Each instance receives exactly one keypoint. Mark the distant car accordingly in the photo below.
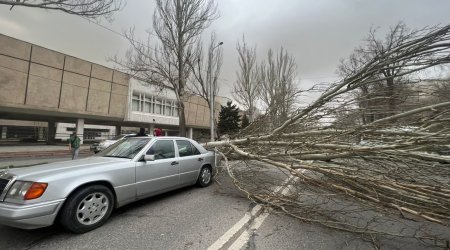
(99, 146)
(81, 194)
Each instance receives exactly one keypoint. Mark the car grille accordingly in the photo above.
(3, 183)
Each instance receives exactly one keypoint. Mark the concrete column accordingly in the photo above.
(118, 129)
(4, 131)
(80, 129)
(190, 133)
(151, 128)
(51, 132)
(166, 132)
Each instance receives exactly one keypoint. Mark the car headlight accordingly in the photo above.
(26, 190)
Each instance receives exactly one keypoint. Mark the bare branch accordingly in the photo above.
(92, 9)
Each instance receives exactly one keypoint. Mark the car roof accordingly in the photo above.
(173, 137)
(164, 137)
(128, 134)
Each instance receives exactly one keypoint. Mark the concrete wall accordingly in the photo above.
(196, 112)
(36, 78)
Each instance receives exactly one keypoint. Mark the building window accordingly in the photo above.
(135, 103)
(158, 106)
(147, 105)
(153, 105)
(175, 108)
(167, 108)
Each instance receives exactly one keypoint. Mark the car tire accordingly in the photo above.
(205, 177)
(87, 209)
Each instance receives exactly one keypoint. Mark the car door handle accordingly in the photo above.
(200, 159)
(174, 163)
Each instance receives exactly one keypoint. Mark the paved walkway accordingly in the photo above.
(38, 150)
(37, 147)
(26, 162)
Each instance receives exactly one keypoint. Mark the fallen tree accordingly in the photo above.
(354, 176)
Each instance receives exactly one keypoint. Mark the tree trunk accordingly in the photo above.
(180, 52)
(182, 124)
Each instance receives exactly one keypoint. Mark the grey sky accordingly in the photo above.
(317, 32)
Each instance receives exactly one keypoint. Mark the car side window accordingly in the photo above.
(162, 150)
(195, 150)
(185, 148)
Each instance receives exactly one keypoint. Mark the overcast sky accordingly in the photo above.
(316, 32)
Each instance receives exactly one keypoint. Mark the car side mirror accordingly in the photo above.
(149, 157)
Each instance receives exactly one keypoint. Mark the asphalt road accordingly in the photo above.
(191, 218)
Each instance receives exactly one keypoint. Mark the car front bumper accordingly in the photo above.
(29, 216)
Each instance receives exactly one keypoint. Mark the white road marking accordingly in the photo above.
(254, 215)
(235, 229)
(245, 236)
(258, 221)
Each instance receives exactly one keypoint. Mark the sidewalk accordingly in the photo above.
(38, 150)
(26, 162)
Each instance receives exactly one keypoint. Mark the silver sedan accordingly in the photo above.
(81, 194)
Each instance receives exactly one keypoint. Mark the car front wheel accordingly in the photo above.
(87, 209)
(205, 177)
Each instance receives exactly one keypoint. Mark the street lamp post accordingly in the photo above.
(211, 91)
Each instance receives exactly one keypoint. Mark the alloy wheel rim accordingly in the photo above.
(92, 208)
(206, 175)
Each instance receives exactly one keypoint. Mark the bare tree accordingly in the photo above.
(206, 69)
(278, 88)
(382, 97)
(246, 88)
(87, 8)
(178, 25)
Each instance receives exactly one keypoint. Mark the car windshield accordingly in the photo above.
(127, 148)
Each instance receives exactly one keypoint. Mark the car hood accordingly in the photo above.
(46, 170)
